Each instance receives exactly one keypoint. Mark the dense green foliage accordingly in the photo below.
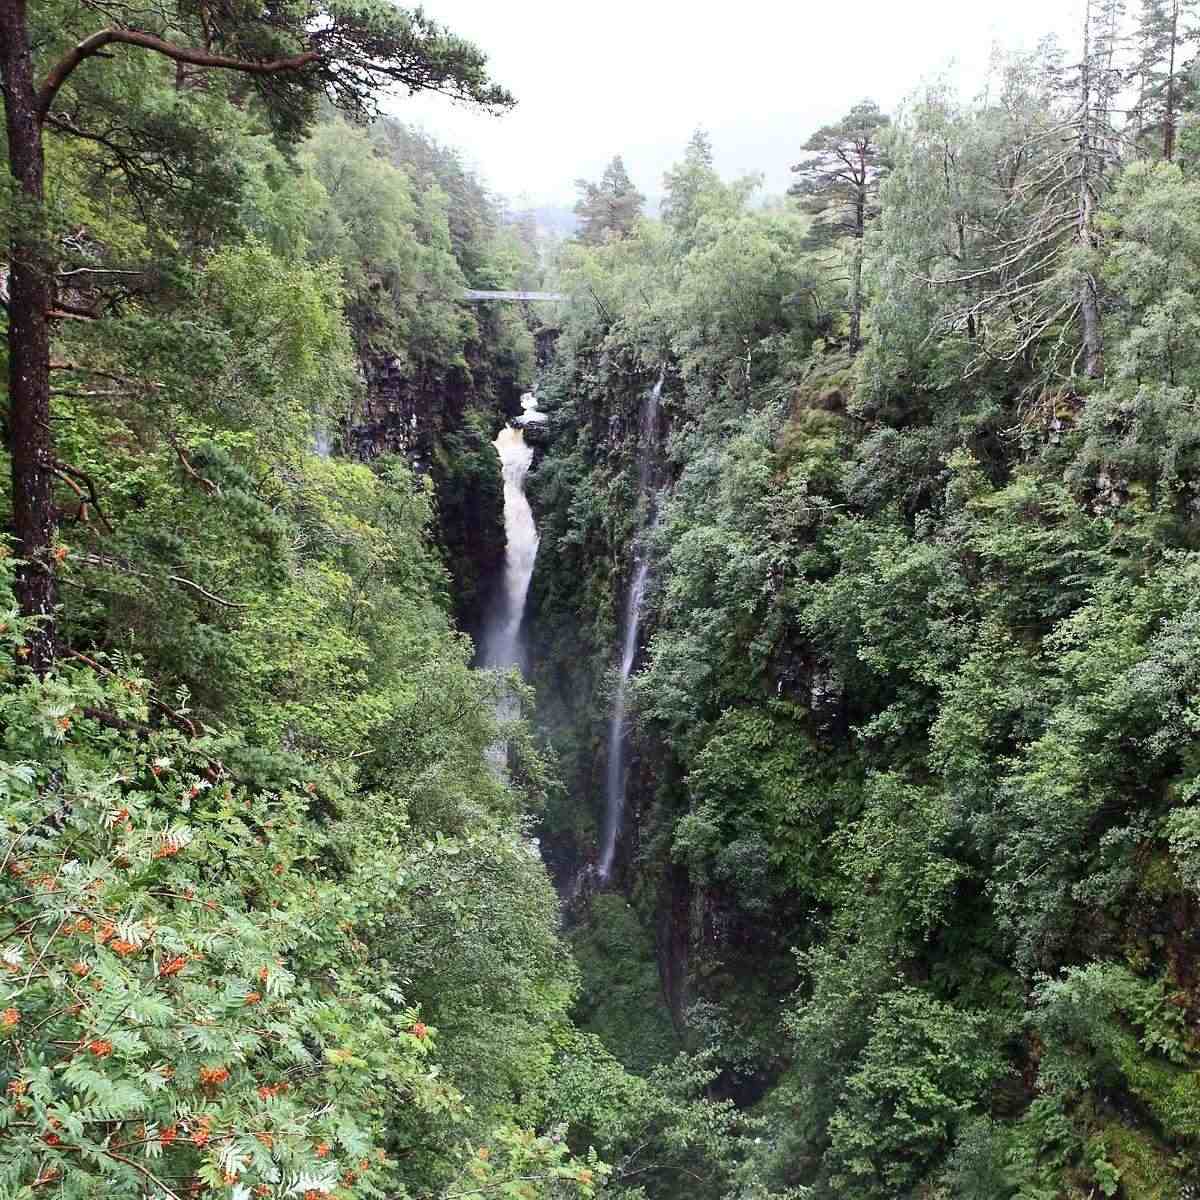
(913, 794)
(273, 926)
(906, 894)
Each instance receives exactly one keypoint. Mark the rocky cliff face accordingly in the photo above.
(442, 425)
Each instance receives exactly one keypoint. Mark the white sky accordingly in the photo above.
(594, 78)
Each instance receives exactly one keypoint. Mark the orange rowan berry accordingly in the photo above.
(200, 1137)
(419, 1030)
(18, 1087)
(169, 1134)
(322, 1149)
(100, 1048)
(213, 1076)
(80, 969)
(9, 1017)
(173, 966)
(64, 723)
(167, 849)
(266, 1139)
(84, 925)
(60, 552)
(253, 997)
(51, 1139)
(122, 947)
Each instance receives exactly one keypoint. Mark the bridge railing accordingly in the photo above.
(472, 294)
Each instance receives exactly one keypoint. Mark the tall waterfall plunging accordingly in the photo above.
(502, 645)
(502, 639)
(614, 789)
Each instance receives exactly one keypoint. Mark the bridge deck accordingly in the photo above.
(472, 294)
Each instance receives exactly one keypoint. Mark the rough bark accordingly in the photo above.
(1091, 337)
(30, 297)
(1169, 113)
(856, 268)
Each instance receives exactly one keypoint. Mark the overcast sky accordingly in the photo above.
(635, 77)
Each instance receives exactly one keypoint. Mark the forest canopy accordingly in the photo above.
(876, 502)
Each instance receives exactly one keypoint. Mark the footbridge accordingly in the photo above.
(473, 296)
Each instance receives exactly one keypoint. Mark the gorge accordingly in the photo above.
(700, 700)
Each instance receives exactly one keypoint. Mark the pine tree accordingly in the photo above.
(838, 181)
(1164, 31)
(610, 208)
(684, 183)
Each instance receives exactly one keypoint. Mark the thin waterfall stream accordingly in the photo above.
(618, 742)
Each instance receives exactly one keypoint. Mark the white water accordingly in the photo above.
(531, 414)
(502, 641)
(615, 782)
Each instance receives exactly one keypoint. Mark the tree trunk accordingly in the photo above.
(1169, 114)
(856, 270)
(31, 294)
(1089, 301)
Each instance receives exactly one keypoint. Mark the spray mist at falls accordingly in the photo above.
(615, 782)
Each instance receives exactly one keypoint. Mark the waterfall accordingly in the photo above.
(614, 790)
(502, 639)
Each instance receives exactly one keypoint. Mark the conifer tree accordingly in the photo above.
(1165, 27)
(610, 208)
(684, 183)
(838, 181)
